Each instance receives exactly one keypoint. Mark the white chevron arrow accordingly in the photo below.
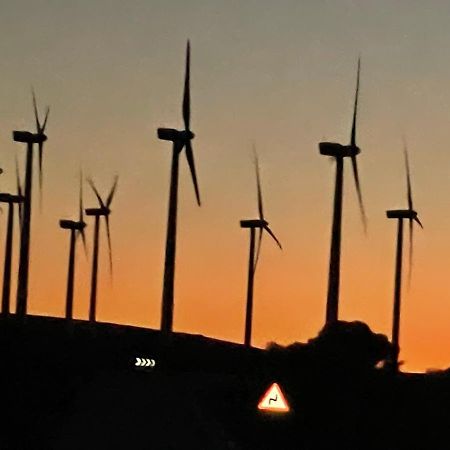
(145, 362)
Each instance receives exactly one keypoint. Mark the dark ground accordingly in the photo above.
(75, 386)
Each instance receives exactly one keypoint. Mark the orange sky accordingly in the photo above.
(280, 74)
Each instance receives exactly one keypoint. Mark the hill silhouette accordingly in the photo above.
(75, 385)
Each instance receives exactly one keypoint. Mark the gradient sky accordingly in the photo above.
(277, 73)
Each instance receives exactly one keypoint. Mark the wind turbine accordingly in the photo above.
(401, 214)
(181, 139)
(262, 225)
(76, 228)
(24, 260)
(11, 200)
(103, 211)
(339, 152)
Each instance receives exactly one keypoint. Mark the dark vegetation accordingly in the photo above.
(74, 385)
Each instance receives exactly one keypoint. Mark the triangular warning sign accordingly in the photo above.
(273, 400)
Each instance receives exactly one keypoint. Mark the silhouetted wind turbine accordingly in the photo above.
(76, 228)
(400, 215)
(28, 138)
(339, 152)
(253, 225)
(104, 210)
(11, 200)
(181, 140)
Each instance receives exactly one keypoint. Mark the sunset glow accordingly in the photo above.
(277, 74)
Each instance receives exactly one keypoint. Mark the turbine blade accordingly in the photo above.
(18, 185)
(36, 114)
(81, 209)
(358, 191)
(108, 232)
(411, 245)
(19, 192)
(83, 238)
(266, 227)
(411, 236)
(258, 186)
(258, 249)
(187, 89)
(408, 177)
(112, 191)
(355, 107)
(44, 125)
(91, 183)
(191, 163)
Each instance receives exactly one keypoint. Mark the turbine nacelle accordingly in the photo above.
(28, 137)
(10, 198)
(254, 223)
(72, 225)
(334, 149)
(402, 214)
(97, 211)
(173, 135)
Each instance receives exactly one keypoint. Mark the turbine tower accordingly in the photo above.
(103, 211)
(11, 200)
(339, 152)
(24, 259)
(180, 140)
(76, 228)
(401, 214)
(262, 225)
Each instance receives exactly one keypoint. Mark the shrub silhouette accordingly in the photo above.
(348, 344)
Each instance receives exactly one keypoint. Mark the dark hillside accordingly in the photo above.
(72, 386)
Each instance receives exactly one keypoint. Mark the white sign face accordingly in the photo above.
(273, 400)
(145, 362)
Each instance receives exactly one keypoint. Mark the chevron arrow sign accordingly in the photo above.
(145, 362)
